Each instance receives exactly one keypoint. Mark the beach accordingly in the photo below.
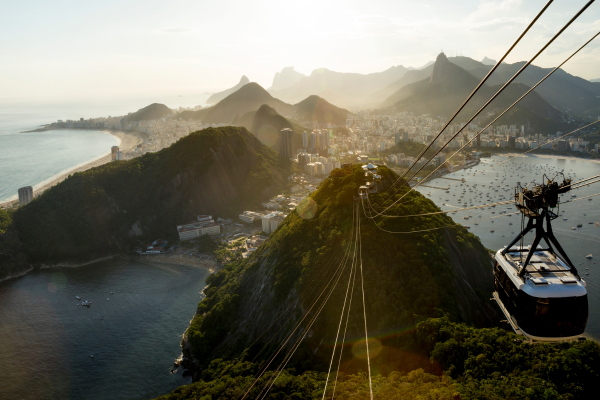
(553, 156)
(127, 142)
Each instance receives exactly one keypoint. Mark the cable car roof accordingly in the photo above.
(546, 276)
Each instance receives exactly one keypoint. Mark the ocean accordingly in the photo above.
(47, 341)
(35, 158)
(492, 184)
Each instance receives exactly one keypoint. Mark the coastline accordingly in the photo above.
(595, 161)
(127, 141)
(210, 265)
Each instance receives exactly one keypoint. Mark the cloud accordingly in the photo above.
(177, 29)
(498, 23)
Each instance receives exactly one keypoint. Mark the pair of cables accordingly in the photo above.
(356, 264)
(490, 100)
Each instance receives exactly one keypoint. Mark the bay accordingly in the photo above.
(47, 340)
(490, 182)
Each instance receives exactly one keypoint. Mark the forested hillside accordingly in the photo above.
(108, 208)
(420, 290)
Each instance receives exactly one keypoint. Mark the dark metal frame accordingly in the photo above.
(534, 205)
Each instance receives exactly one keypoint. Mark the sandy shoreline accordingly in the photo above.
(128, 141)
(548, 156)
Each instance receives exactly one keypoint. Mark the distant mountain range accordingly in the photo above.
(217, 97)
(286, 78)
(449, 85)
(237, 109)
(153, 111)
(565, 92)
(595, 80)
(339, 87)
(248, 98)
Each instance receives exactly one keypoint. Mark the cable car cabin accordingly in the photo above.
(547, 301)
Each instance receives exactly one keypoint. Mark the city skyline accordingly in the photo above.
(112, 49)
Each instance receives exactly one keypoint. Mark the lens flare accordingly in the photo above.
(307, 208)
(267, 134)
(359, 349)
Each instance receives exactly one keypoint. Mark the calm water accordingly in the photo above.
(46, 340)
(30, 159)
(577, 243)
(34, 158)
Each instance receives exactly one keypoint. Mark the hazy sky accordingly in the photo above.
(105, 48)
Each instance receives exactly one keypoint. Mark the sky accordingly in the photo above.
(77, 49)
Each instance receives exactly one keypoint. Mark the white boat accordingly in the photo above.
(112, 292)
(107, 299)
(78, 298)
(589, 256)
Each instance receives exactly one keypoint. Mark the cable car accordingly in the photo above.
(541, 293)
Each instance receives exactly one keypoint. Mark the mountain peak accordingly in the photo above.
(244, 80)
(488, 61)
(439, 68)
(286, 78)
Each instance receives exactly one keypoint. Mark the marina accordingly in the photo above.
(488, 183)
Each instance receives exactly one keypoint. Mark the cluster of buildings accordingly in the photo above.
(159, 133)
(270, 220)
(159, 246)
(371, 134)
(205, 225)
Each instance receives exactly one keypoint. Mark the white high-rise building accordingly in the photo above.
(305, 140)
(25, 195)
(313, 140)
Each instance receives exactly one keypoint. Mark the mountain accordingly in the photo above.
(217, 97)
(449, 85)
(408, 277)
(315, 109)
(266, 124)
(153, 111)
(488, 61)
(339, 87)
(286, 78)
(248, 98)
(106, 210)
(386, 95)
(413, 288)
(565, 92)
(595, 80)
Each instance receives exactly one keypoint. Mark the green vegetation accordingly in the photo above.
(307, 247)
(5, 220)
(457, 362)
(415, 305)
(100, 211)
(231, 380)
(495, 364)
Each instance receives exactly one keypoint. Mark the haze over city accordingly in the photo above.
(300, 200)
(70, 49)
